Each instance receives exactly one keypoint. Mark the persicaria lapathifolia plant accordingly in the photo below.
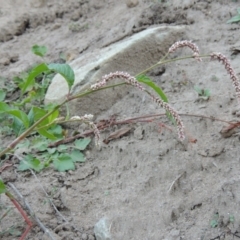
(133, 81)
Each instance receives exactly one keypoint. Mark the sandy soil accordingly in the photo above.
(148, 184)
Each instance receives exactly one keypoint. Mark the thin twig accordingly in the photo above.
(149, 118)
(40, 224)
(174, 181)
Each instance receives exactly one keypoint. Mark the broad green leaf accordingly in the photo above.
(17, 126)
(22, 116)
(77, 156)
(62, 148)
(4, 107)
(63, 163)
(46, 134)
(40, 144)
(30, 81)
(39, 50)
(39, 113)
(56, 130)
(52, 150)
(53, 116)
(65, 70)
(2, 94)
(3, 188)
(81, 144)
(146, 80)
(29, 162)
(24, 144)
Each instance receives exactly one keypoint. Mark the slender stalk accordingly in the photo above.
(168, 61)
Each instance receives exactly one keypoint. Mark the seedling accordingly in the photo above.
(214, 221)
(202, 93)
(235, 18)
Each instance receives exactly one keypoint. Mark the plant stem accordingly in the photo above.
(168, 61)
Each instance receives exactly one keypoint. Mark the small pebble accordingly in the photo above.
(132, 3)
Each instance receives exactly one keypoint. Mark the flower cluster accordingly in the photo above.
(221, 58)
(175, 115)
(126, 76)
(186, 43)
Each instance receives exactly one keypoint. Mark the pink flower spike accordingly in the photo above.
(221, 58)
(186, 43)
(175, 115)
(126, 76)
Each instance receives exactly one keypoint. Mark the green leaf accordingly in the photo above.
(65, 70)
(56, 130)
(47, 134)
(40, 144)
(4, 107)
(30, 81)
(29, 162)
(3, 188)
(31, 117)
(2, 94)
(77, 156)
(214, 223)
(53, 116)
(62, 148)
(39, 113)
(81, 144)
(146, 80)
(234, 19)
(198, 90)
(51, 150)
(231, 219)
(63, 163)
(24, 144)
(206, 93)
(22, 116)
(17, 126)
(39, 50)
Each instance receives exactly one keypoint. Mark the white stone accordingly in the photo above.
(131, 55)
(101, 229)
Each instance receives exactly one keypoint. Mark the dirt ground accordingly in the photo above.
(148, 184)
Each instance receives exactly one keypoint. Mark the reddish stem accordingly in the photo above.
(22, 212)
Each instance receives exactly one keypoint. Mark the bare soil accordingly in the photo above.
(147, 183)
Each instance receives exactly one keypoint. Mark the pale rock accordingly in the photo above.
(131, 55)
(101, 229)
